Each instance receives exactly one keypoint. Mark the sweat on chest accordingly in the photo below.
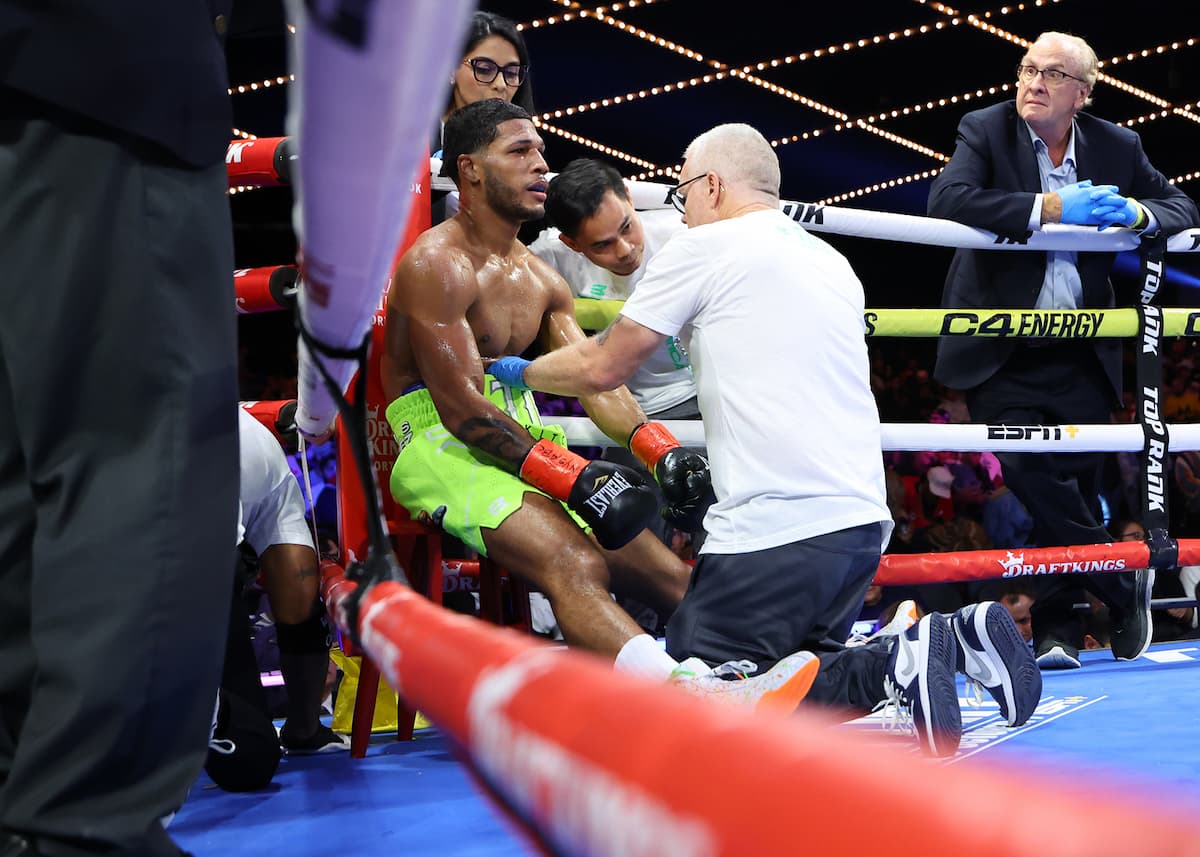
(501, 329)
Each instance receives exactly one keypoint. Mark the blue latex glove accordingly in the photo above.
(1079, 200)
(509, 371)
(1117, 210)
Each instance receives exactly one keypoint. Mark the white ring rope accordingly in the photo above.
(957, 437)
(913, 229)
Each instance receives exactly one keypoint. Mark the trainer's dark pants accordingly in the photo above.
(767, 604)
(118, 480)
(1060, 384)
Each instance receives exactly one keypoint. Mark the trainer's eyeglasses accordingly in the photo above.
(1052, 76)
(677, 199)
(485, 71)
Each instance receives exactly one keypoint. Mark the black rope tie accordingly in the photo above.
(380, 562)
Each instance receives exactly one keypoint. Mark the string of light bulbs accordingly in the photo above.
(581, 12)
(867, 124)
(746, 73)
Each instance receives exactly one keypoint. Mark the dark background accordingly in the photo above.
(587, 59)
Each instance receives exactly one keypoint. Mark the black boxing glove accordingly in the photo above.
(682, 474)
(615, 501)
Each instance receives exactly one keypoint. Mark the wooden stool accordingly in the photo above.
(419, 551)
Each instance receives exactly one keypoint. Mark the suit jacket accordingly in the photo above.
(151, 69)
(990, 183)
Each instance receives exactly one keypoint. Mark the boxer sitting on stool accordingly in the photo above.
(474, 454)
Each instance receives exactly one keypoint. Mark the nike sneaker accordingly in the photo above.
(920, 685)
(993, 655)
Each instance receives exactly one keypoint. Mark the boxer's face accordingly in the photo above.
(612, 237)
(515, 171)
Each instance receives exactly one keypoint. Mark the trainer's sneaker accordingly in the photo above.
(1057, 655)
(921, 687)
(906, 615)
(993, 655)
(324, 740)
(778, 689)
(1131, 626)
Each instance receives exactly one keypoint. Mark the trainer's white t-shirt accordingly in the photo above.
(773, 320)
(272, 510)
(665, 379)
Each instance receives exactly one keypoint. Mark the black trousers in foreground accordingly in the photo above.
(1061, 384)
(765, 605)
(118, 480)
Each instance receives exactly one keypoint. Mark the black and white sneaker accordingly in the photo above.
(1131, 625)
(324, 740)
(1057, 655)
(992, 654)
(921, 687)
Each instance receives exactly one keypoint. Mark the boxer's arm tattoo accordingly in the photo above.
(501, 441)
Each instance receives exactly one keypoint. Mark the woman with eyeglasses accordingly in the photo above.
(495, 64)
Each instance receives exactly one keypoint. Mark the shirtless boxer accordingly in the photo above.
(474, 455)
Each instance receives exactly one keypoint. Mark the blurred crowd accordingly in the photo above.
(952, 501)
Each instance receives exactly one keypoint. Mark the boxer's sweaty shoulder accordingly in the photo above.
(443, 281)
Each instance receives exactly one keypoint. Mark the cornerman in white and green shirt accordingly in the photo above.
(601, 246)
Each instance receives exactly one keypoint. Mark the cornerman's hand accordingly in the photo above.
(509, 371)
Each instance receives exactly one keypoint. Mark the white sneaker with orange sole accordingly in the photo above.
(781, 688)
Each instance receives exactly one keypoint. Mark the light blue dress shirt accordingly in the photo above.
(1061, 287)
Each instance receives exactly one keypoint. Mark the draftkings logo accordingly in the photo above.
(1014, 565)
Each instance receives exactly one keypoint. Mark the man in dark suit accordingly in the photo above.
(1017, 166)
(118, 421)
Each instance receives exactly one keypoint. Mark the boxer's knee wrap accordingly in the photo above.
(310, 636)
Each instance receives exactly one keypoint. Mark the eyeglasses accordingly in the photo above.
(1053, 76)
(678, 199)
(485, 71)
